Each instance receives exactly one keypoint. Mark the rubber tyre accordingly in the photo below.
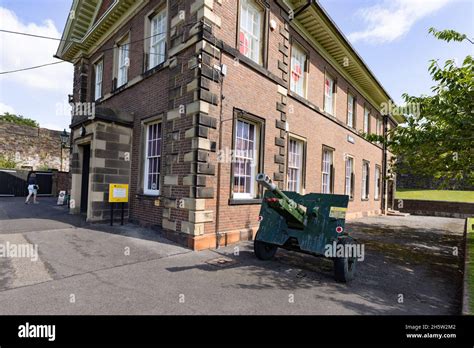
(264, 251)
(344, 268)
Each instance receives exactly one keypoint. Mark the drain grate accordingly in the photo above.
(222, 262)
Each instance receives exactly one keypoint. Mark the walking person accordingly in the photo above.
(32, 189)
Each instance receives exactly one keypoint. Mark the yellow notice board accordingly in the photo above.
(118, 193)
(338, 212)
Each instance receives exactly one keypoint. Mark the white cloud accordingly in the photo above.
(6, 108)
(19, 52)
(393, 19)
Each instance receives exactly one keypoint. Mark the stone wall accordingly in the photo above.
(109, 164)
(32, 147)
(435, 208)
(61, 182)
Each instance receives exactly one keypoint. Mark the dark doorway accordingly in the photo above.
(45, 183)
(86, 159)
(390, 194)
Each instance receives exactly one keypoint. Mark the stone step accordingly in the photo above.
(396, 213)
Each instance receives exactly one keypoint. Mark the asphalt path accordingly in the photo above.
(410, 266)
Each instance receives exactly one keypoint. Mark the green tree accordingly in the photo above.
(439, 141)
(6, 162)
(18, 119)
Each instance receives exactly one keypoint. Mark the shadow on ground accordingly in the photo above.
(410, 266)
(16, 217)
(406, 270)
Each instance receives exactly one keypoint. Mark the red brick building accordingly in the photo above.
(189, 100)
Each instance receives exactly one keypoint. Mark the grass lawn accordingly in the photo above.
(437, 195)
(470, 264)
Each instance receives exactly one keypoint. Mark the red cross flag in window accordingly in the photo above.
(296, 73)
(243, 44)
(328, 87)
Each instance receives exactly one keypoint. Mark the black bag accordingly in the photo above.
(36, 187)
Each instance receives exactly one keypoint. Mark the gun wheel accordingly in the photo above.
(344, 267)
(264, 251)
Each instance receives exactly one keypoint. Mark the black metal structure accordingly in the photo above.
(45, 182)
(85, 177)
(14, 182)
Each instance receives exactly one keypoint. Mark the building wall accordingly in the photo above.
(258, 95)
(316, 128)
(33, 147)
(195, 205)
(150, 95)
(144, 99)
(108, 165)
(276, 60)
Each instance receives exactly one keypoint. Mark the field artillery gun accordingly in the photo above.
(312, 224)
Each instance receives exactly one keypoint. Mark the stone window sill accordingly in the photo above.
(147, 196)
(246, 201)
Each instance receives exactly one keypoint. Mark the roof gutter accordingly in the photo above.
(68, 44)
(66, 29)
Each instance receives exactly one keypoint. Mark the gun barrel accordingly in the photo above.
(289, 206)
(264, 180)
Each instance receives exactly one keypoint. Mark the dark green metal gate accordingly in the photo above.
(14, 182)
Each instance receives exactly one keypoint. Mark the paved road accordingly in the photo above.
(95, 269)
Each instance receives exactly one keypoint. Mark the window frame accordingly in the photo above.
(351, 124)
(123, 42)
(366, 121)
(146, 191)
(365, 193)
(377, 182)
(302, 170)
(305, 73)
(163, 38)
(351, 177)
(259, 124)
(97, 63)
(330, 173)
(262, 54)
(327, 75)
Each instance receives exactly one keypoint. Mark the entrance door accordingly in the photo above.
(390, 194)
(86, 159)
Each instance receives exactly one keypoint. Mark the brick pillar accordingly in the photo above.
(81, 74)
(281, 106)
(187, 166)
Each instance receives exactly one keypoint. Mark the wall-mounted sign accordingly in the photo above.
(351, 139)
(118, 193)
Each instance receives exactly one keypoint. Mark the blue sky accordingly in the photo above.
(401, 63)
(390, 35)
